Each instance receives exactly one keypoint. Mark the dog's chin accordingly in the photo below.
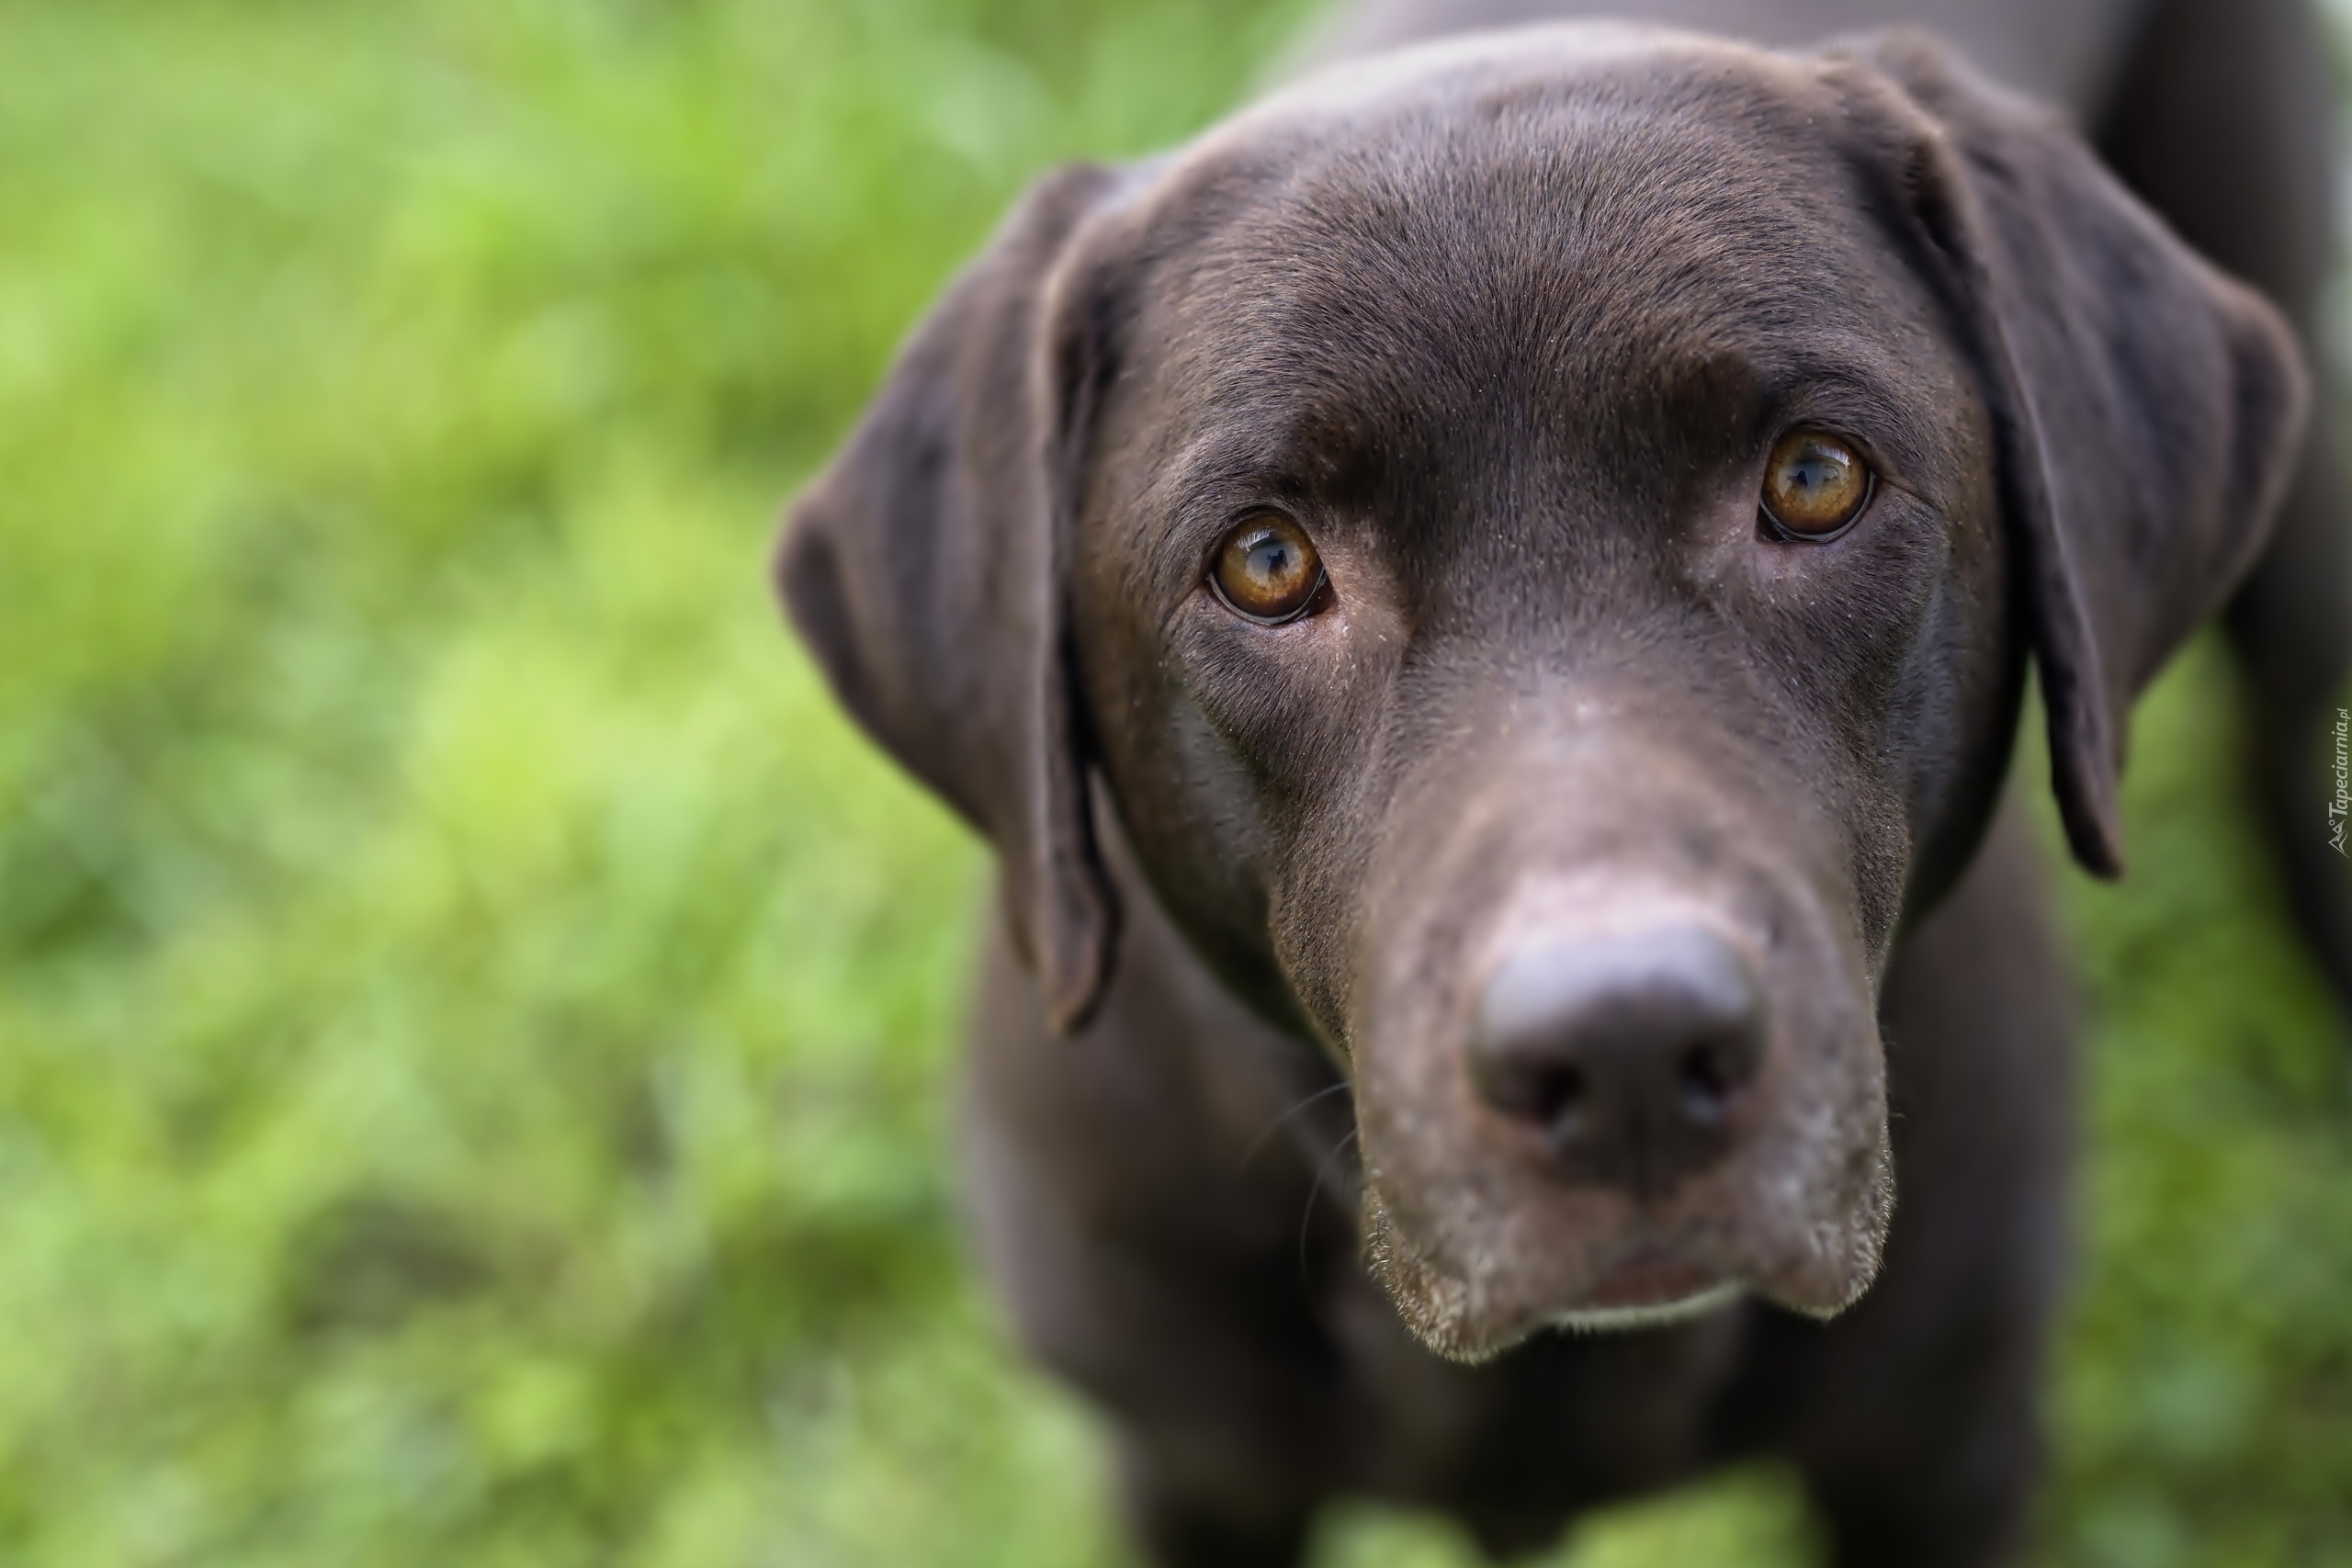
(1476, 1314)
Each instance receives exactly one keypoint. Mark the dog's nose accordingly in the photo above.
(1628, 1050)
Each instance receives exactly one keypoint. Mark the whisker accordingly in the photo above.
(1326, 1092)
(1306, 1215)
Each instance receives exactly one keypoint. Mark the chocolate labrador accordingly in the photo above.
(1483, 605)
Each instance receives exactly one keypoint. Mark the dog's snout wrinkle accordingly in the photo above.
(1626, 1051)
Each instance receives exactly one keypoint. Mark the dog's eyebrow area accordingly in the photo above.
(1369, 339)
(1344, 446)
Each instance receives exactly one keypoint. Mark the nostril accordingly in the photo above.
(1559, 1097)
(1531, 1087)
(1704, 1083)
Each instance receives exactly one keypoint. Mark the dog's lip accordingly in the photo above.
(1647, 1274)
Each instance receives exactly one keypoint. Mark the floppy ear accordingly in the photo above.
(925, 568)
(2146, 407)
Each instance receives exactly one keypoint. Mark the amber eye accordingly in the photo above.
(1814, 485)
(1266, 569)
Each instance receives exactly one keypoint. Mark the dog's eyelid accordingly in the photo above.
(1885, 490)
(1830, 424)
(1889, 469)
(1857, 407)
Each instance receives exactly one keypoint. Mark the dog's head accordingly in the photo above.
(1540, 539)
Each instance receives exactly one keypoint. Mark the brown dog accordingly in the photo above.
(1514, 564)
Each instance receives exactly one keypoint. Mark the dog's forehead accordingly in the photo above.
(1556, 205)
(1490, 66)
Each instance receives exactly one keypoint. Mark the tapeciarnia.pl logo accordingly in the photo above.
(2341, 807)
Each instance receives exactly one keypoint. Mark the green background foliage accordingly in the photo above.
(477, 1028)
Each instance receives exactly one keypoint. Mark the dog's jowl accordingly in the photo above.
(1483, 605)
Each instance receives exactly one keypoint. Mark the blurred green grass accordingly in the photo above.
(476, 1026)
